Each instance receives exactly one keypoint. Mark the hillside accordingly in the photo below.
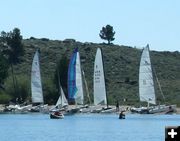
(121, 67)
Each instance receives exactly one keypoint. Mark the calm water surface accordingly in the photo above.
(86, 127)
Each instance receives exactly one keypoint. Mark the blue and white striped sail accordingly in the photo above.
(75, 86)
(99, 82)
(36, 86)
(72, 77)
(146, 82)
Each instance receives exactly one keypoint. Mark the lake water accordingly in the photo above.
(85, 127)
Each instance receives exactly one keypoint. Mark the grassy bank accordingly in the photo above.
(121, 64)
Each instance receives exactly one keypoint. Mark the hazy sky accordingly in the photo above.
(136, 22)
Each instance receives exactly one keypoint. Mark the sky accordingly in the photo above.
(136, 22)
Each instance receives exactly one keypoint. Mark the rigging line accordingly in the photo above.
(159, 84)
(87, 90)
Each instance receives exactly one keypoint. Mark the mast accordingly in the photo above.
(159, 85)
(59, 84)
(87, 90)
(62, 101)
(104, 78)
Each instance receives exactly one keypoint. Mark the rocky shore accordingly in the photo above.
(86, 109)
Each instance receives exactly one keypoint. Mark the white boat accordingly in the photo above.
(61, 104)
(60, 107)
(147, 89)
(16, 108)
(100, 95)
(75, 85)
(36, 86)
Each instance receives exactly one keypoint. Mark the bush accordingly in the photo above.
(44, 39)
(22, 88)
(4, 98)
(32, 38)
(50, 92)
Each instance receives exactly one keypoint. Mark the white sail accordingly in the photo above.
(99, 82)
(146, 83)
(79, 97)
(62, 101)
(36, 86)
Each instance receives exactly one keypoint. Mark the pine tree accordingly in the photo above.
(107, 33)
(13, 49)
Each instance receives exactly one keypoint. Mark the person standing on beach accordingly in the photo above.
(117, 106)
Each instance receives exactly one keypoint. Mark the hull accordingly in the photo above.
(39, 108)
(108, 110)
(56, 116)
(160, 109)
(73, 111)
(163, 109)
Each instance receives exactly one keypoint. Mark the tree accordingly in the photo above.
(14, 46)
(62, 71)
(13, 49)
(3, 62)
(107, 33)
(4, 69)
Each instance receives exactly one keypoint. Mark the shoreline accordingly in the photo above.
(121, 108)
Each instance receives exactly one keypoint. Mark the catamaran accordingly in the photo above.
(75, 85)
(100, 94)
(36, 85)
(147, 89)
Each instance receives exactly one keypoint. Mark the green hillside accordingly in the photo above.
(121, 65)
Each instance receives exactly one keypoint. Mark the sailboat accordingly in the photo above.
(100, 94)
(75, 85)
(61, 104)
(36, 85)
(62, 101)
(147, 88)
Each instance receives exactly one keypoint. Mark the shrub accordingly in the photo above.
(21, 91)
(4, 98)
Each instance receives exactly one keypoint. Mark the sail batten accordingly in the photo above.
(36, 86)
(99, 82)
(146, 82)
